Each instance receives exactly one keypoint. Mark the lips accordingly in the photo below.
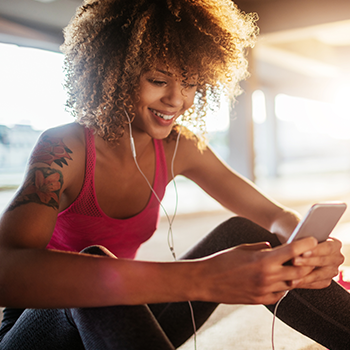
(162, 115)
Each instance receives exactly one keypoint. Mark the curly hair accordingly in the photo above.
(110, 43)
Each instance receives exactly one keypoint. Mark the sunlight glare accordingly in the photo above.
(259, 107)
(31, 88)
(311, 116)
(219, 120)
(341, 98)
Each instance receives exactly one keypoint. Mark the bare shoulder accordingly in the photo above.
(73, 130)
(56, 145)
(55, 166)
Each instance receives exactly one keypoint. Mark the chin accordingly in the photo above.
(161, 135)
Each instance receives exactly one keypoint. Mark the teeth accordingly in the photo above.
(164, 116)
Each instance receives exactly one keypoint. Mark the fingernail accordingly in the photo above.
(295, 283)
(297, 261)
(307, 254)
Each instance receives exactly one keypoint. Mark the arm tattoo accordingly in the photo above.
(42, 186)
(51, 150)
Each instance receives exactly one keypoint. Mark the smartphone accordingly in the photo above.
(319, 221)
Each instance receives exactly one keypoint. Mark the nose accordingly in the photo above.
(174, 96)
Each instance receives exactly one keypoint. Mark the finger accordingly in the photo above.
(328, 247)
(292, 250)
(277, 291)
(296, 277)
(287, 278)
(327, 253)
(320, 261)
(281, 287)
(318, 277)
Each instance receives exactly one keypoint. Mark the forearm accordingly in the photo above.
(284, 222)
(36, 278)
(241, 196)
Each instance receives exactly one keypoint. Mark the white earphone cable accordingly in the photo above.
(170, 233)
(170, 237)
(274, 320)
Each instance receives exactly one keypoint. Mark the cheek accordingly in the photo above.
(189, 100)
(147, 97)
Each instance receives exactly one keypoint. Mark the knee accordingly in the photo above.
(238, 223)
(239, 220)
(243, 230)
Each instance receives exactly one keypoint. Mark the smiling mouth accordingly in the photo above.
(163, 116)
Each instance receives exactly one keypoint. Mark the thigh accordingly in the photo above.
(41, 329)
(230, 233)
(121, 327)
(10, 316)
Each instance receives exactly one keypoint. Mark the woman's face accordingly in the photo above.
(162, 98)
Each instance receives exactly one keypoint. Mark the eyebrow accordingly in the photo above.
(165, 72)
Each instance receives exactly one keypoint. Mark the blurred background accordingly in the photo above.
(290, 126)
(289, 132)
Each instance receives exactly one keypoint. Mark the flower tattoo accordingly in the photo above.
(42, 186)
(51, 150)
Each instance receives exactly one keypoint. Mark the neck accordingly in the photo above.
(123, 150)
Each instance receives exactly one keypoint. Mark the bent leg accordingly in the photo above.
(319, 314)
(117, 327)
(322, 315)
(103, 328)
(42, 329)
(175, 318)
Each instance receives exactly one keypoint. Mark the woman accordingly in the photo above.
(136, 70)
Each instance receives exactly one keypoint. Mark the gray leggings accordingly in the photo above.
(323, 315)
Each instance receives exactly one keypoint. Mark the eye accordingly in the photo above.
(157, 82)
(189, 86)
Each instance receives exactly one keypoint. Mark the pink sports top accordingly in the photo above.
(84, 223)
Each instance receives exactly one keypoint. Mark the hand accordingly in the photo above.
(326, 259)
(252, 274)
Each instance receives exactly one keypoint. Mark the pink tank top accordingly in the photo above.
(84, 223)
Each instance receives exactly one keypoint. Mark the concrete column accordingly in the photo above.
(271, 157)
(241, 138)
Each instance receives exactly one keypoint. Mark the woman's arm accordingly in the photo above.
(233, 191)
(31, 276)
(244, 199)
